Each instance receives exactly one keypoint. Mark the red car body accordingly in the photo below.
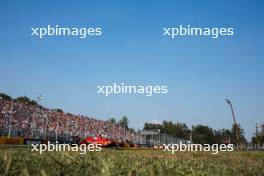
(104, 142)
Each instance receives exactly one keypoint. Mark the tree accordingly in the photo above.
(58, 110)
(153, 126)
(222, 136)
(203, 135)
(168, 127)
(26, 100)
(23, 99)
(124, 122)
(179, 130)
(112, 120)
(258, 139)
(5, 96)
(237, 128)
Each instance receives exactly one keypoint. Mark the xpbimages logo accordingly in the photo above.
(122, 88)
(181, 30)
(182, 147)
(83, 32)
(83, 148)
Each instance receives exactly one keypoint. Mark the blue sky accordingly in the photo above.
(200, 72)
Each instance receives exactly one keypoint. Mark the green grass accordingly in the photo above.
(130, 162)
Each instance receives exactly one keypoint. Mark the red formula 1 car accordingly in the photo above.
(108, 143)
(105, 142)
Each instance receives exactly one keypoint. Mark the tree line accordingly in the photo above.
(201, 134)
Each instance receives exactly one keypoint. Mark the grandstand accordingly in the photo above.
(36, 122)
(25, 118)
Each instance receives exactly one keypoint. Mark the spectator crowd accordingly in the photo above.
(37, 122)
